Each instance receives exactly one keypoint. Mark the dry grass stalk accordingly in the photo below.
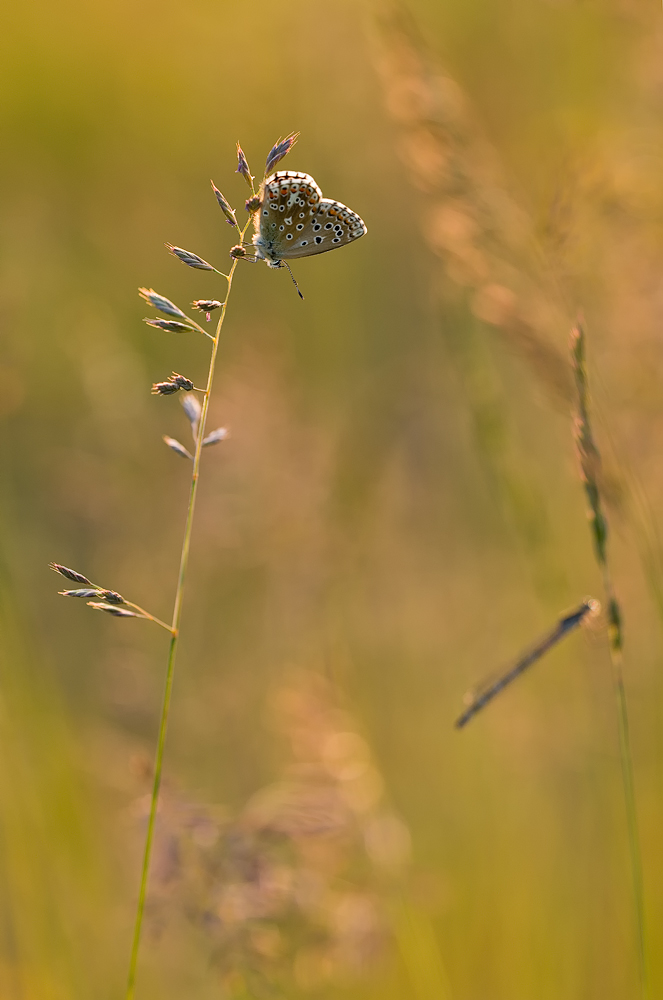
(590, 468)
(469, 219)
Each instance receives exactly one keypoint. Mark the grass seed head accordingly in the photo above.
(111, 609)
(171, 325)
(112, 597)
(85, 592)
(178, 448)
(70, 574)
(207, 306)
(160, 302)
(164, 388)
(174, 384)
(243, 167)
(220, 434)
(191, 259)
(192, 408)
(280, 149)
(224, 206)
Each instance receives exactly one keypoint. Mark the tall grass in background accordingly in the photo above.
(590, 470)
(490, 249)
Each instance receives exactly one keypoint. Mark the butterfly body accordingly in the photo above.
(294, 220)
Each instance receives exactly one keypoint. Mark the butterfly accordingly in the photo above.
(294, 220)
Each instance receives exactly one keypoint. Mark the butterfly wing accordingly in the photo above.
(294, 220)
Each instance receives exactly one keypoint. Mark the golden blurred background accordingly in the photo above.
(397, 511)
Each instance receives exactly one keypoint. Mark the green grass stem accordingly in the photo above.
(172, 649)
(590, 469)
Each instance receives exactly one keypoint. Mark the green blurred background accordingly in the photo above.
(398, 508)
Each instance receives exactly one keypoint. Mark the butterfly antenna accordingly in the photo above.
(293, 280)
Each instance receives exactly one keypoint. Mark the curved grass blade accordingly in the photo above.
(539, 649)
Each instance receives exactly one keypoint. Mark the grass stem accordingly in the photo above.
(590, 470)
(146, 614)
(631, 819)
(172, 649)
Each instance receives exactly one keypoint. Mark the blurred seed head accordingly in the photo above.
(224, 206)
(237, 252)
(164, 388)
(280, 149)
(206, 305)
(174, 384)
(589, 459)
(243, 167)
(170, 325)
(470, 220)
(252, 204)
(70, 574)
(178, 448)
(160, 302)
(111, 609)
(191, 259)
(192, 408)
(220, 434)
(295, 889)
(85, 592)
(112, 597)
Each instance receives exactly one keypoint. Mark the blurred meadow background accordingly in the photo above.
(397, 511)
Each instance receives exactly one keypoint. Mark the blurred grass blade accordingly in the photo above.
(420, 952)
(543, 646)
